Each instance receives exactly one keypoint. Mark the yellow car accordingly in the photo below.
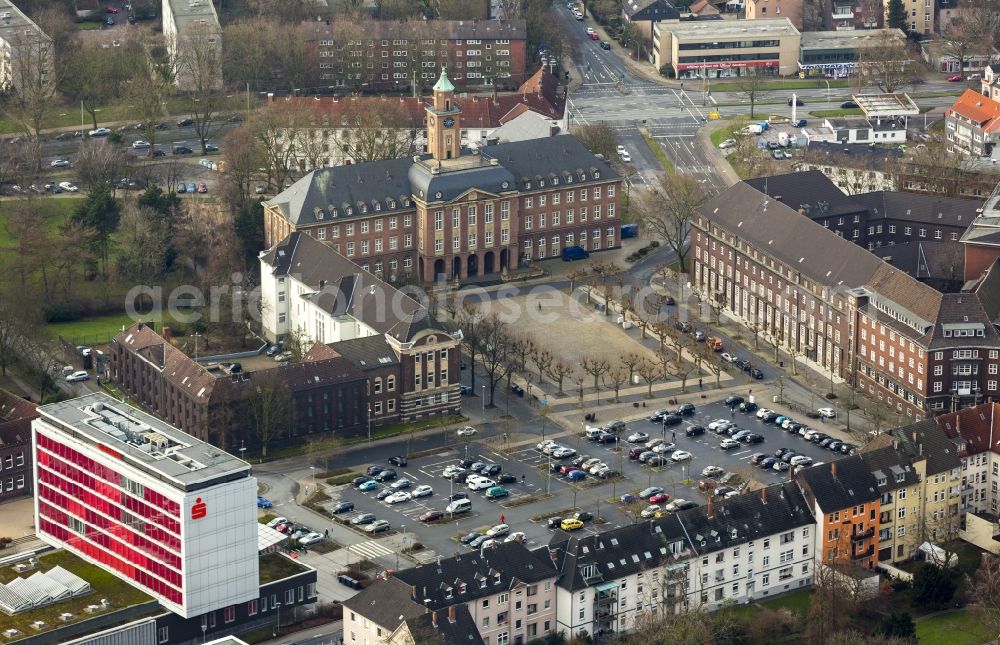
(571, 525)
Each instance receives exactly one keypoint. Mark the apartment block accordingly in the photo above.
(16, 473)
(194, 42)
(26, 54)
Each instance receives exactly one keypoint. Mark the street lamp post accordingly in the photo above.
(483, 390)
(548, 474)
(402, 546)
(369, 423)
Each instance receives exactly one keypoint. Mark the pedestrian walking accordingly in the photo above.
(522, 479)
(326, 533)
(699, 385)
(673, 435)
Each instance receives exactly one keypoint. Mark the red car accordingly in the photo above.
(111, 10)
(430, 516)
(567, 469)
(957, 78)
(594, 36)
(202, 188)
(659, 498)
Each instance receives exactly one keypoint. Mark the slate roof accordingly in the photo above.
(778, 229)
(341, 287)
(809, 190)
(852, 155)
(462, 631)
(730, 522)
(386, 603)
(655, 10)
(368, 352)
(923, 260)
(922, 440)
(16, 415)
(840, 484)
(920, 207)
(439, 584)
(333, 194)
(619, 552)
(987, 289)
(887, 465)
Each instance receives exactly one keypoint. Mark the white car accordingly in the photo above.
(542, 445)
(828, 413)
(600, 469)
(726, 444)
(562, 453)
(517, 536)
(729, 358)
(620, 148)
(489, 544)
(68, 187)
(594, 468)
(99, 132)
(590, 30)
(451, 470)
(551, 448)
(728, 143)
(711, 471)
(664, 447)
(590, 463)
(60, 163)
(762, 412)
(311, 538)
(422, 491)
(467, 431)
(498, 530)
(400, 496)
(800, 460)
(681, 455)
(276, 521)
(481, 484)
(719, 422)
(140, 145)
(80, 375)
(651, 510)
(638, 437)
(672, 506)
(625, 156)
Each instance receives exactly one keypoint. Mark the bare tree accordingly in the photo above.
(599, 139)
(964, 37)
(18, 319)
(371, 132)
(885, 62)
(667, 211)
(595, 367)
(98, 163)
(616, 377)
(542, 359)
(277, 128)
(495, 344)
(986, 595)
(649, 371)
(631, 361)
(146, 94)
(199, 64)
(32, 79)
(270, 407)
(558, 371)
(471, 322)
(753, 87)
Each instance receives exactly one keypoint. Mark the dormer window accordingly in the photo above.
(541, 182)
(597, 174)
(555, 181)
(350, 210)
(392, 203)
(527, 185)
(378, 206)
(569, 179)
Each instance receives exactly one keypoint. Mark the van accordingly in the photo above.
(714, 344)
(459, 506)
(571, 253)
(752, 129)
(592, 433)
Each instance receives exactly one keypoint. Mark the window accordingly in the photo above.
(163, 635)
(252, 607)
(229, 614)
(502, 638)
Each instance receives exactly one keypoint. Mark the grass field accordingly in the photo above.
(797, 84)
(953, 628)
(63, 116)
(797, 602)
(90, 330)
(54, 210)
(837, 112)
(658, 151)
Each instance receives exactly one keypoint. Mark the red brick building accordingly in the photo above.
(829, 301)
(16, 415)
(453, 213)
(384, 55)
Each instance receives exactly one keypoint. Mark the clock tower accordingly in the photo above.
(444, 130)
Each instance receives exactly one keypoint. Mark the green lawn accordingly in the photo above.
(54, 210)
(658, 151)
(796, 84)
(275, 566)
(953, 628)
(837, 112)
(797, 602)
(90, 330)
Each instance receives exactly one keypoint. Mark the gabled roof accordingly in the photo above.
(637, 10)
(973, 430)
(367, 352)
(920, 207)
(16, 415)
(891, 468)
(747, 517)
(923, 440)
(340, 287)
(981, 110)
(593, 559)
(469, 576)
(386, 603)
(926, 260)
(840, 484)
(810, 191)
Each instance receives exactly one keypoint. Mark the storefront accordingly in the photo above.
(725, 48)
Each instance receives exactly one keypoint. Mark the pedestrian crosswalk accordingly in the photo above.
(370, 549)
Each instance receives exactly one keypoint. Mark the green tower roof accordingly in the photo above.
(443, 84)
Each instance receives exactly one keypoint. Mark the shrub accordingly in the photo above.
(62, 312)
(667, 70)
(933, 586)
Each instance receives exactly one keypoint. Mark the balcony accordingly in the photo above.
(857, 537)
(867, 553)
(843, 13)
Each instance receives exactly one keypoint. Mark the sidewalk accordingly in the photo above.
(719, 161)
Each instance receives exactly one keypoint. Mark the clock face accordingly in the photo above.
(448, 122)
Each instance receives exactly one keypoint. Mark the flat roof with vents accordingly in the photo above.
(729, 29)
(886, 105)
(142, 441)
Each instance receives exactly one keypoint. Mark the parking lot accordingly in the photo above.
(527, 507)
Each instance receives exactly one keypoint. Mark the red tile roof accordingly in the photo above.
(978, 108)
(979, 427)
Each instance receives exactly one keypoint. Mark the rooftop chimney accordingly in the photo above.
(451, 614)
(711, 507)
(763, 495)
(914, 435)
(434, 619)
(413, 592)
(833, 468)
(166, 333)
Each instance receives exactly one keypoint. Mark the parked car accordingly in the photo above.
(747, 407)
(386, 475)
(712, 471)
(363, 520)
(183, 123)
(99, 132)
(659, 498)
(263, 502)
(377, 526)
(431, 516)
(728, 143)
(182, 150)
(496, 492)
(733, 400)
(685, 409)
(311, 538)
(374, 470)
(181, 187)
(398, 497)
(727, 444)
(681, 455)
(638, 437)
(342, 507)
(827, 413)
(694, 431)
(570, 524)
(398, 461)
(956, 78)
(68, 187)
(60, 163)
(357, 481)
(651, 510)
(79, 375)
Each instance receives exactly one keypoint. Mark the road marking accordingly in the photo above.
(370, 549)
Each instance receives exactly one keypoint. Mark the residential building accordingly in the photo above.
(337, 126)
(725, 49)
(919, 15)
(900, 486)
(645, 13)
(853, 15)
(16, 473)
(731, 551)
(194, 43)
(26, 52)
(948, 15)
(148, 503)
(839, 52)
(990, 83)
(452, 627)
(507, 591)
(836, 306)
(972, 124)
(452, 213)
(766, 9)
(937, 462)
(328, 392)
(982, 239)
(387, 55)
(844, 497)
(409, 361)
(973, 431)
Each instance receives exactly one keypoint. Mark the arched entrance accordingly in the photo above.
(488, 263)
(504, 259)
(456, 268)
(439, 270)
(472, 266)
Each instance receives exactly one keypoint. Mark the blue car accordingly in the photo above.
(576, 475)
(628, 499)
(779, 420)
(263, 502)
(182, 187)
(191, 187)
(368, 485)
